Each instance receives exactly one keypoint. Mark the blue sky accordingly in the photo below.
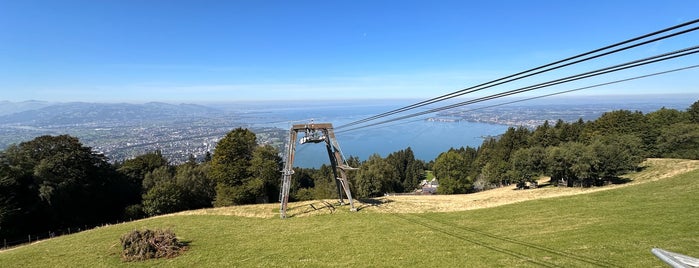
(198, 51)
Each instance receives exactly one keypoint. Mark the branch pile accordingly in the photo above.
(149, 244)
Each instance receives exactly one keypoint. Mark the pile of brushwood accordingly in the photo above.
(149, 244)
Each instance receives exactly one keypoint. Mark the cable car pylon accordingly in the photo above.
(316, 133)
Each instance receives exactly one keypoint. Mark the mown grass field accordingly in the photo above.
(612, 228)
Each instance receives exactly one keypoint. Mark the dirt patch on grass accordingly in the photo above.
(652, 170)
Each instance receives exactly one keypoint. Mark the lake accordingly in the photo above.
(427, 139)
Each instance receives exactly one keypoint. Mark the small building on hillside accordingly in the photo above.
(429, 187)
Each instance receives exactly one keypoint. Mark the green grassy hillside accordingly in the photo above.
(614, 228)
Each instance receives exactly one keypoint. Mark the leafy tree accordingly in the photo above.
(265, 165)
(568, 132)
(449, 185)
(527, 164)
(666, 117)
(680, 141)
(166, 197)
(622, 122)
(493, 157)
(55, 181)
(495, 173)
(159, 175)
(545, 135)
(615, 155)
(199, 189)
(375, 177)
(450, 169)
(470, 156)
(137, 168)
(302, 184)
(512, 140)
(662, 119)
(693, 112)
(230, 166)
(324, 182)
(558, 166)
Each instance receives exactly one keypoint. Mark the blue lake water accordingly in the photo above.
(426, 139)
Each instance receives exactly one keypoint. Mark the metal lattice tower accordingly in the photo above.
(316, 133)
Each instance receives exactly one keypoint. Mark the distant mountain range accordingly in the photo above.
(7, 107)
(45, 113)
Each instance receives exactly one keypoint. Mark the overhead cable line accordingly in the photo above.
(583, 88)
(538, 70)
(553, 94)
(606, 70)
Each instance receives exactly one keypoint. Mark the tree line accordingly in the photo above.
(55, 182)
(570, 153)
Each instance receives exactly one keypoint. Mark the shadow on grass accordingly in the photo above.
(531, 186)
(372, 202)
(314, 207)
(618, 180)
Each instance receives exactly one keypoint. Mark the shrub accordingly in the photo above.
(148, 244)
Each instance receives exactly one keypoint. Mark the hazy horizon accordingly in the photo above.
(601, 98)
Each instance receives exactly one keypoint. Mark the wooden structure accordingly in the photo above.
(316, 133)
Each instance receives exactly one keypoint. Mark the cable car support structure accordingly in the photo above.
(316, 133)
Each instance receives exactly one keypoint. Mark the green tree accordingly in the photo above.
(581, 162)
(451, 170)
(324, 181)
(693, 112)
(265, 166)
(680, 141)
(558, 166)
(495, 173)
(662, 119)
(545, 135)
(199, 189)
(166, 197)
(512, 140)
(54, 182)
(622, 122)
(137, 168)
(527, 164)
(303, 184)
(375, 177)
(159, 175)
(615, 155)
(230, 167)
(409, 170)
(568, 132)
(414, 174)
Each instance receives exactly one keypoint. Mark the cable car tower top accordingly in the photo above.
(316, 133)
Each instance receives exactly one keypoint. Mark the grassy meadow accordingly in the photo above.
(608, 228)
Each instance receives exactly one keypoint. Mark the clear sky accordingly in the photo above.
(196, 51)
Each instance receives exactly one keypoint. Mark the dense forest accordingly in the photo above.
(52, 183)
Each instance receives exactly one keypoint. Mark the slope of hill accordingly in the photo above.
(608, 228)
(8, 107)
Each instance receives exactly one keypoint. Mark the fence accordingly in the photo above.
(29, 238)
